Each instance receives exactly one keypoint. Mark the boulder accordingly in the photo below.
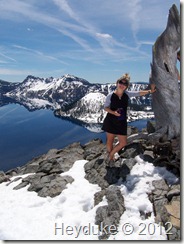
(166, 204)
(110, 214)
(45, 185)
(55, 186)
(93, 149)
(3, 177)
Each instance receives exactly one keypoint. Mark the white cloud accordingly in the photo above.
(101, 35)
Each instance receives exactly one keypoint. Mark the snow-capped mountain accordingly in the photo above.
(88, 109)
(53, 93)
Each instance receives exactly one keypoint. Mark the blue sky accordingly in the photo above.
(97, 40)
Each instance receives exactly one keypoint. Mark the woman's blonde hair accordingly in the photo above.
(125, 77)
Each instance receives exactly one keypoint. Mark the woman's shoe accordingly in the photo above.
(116, 157)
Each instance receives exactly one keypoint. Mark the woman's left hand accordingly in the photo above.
(152, 91)
(153, 88)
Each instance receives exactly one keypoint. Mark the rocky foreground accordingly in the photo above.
(47, 181)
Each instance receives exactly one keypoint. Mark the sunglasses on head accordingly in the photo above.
(123, 83)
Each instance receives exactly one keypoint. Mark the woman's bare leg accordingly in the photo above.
(122, 143)
(110, 141)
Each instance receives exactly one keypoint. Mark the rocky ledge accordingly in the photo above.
(47, 181)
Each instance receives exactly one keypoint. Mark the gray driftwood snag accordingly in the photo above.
(164, 74)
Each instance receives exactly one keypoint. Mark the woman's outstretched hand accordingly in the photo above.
(153, 88)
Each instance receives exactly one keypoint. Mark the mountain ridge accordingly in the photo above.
(69, 96)
(62, 91)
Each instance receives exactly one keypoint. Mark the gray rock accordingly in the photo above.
(29, 180)
(161, 185)
(174, 235)
(150, 127)
(13, 172)
(171, 219)
(3, 177)
(93, 149)
(21, 185)
(98, 197)
(163, 149)
(132, 150)
(110, 215)
(46, 166)
(45, 185)
(129, 163)
(132, 130)
(158, 198)
(171, 166)
(16, 179)
(95, 172)
(148, 156)
(174, 191)
(31, 168)
(36, 186)
(55, 187)
(98, 171)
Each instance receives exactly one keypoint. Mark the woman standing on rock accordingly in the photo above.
(115, 122)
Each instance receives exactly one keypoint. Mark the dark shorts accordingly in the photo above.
(114, 126)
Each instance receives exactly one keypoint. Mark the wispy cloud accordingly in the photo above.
(38, 53)
(64, 6)
(135, 8)
(89, 31)
(108, 43)
(82, 25)
(30, 11)
(76, 30)
(146, 43)
(7, 58)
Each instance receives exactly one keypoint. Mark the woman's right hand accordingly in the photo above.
(108, 110)
(116, 113)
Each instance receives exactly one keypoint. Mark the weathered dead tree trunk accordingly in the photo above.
(164, 74)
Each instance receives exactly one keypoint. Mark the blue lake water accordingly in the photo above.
(25, 135)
